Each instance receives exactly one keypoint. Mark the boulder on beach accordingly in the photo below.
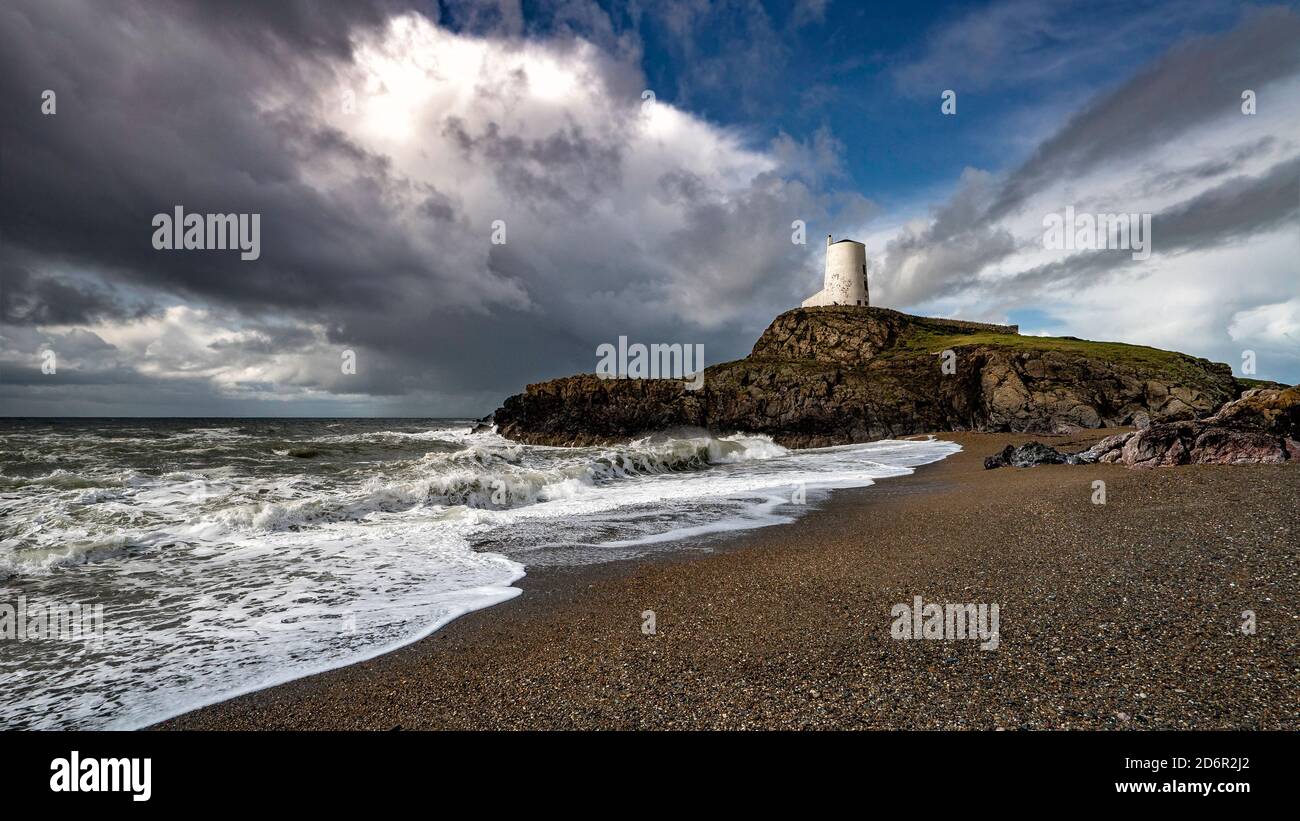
(1030, 455)
(1261, 427)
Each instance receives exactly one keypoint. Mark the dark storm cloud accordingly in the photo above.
(297, 25)
(31, 299)
(951, 249)
(1231, 161)
(757, 230)
(266, 338)
(109, 392)
(1237, 208)
(563, 170)
(169, 114)
(13, 376)
(223, 109)
(230, 112)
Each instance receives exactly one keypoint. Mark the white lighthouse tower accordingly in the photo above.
(846, 275)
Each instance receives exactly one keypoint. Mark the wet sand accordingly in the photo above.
(1126, 615)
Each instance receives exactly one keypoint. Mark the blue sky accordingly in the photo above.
(383, 141)
(872, 73)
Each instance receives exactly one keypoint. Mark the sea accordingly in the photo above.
(228, 555)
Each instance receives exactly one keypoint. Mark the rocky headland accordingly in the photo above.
(836, 375)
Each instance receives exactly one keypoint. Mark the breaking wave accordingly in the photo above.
(235, 555)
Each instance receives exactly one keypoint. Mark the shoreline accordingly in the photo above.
(1115, 616)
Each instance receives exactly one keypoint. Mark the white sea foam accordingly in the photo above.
(219, 579)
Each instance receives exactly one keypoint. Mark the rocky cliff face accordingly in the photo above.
(834, 375)
(1262, 427)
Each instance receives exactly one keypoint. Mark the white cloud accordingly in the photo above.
(1215, 282)
(598, 188)
(1278, 323)
(621, 216)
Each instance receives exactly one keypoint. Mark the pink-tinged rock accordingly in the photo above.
(1108, 449)
(1258, 428)
(1224, 446)
(1176, 455)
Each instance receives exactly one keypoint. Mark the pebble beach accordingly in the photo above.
(1115, 616)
